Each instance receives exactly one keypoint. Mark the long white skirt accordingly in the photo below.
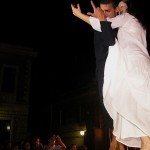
(126, 93)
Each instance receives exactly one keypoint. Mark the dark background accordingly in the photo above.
(64, 45)
(65, 56)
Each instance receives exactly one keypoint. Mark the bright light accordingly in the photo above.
(82, 133)
(8, 127)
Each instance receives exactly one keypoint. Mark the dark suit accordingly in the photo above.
(102, 40)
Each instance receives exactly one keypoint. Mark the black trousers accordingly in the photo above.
(107, 120)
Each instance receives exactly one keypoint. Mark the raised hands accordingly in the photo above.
(97, 12)
(76, 10)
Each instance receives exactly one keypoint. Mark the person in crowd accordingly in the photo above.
(37, 144)
(55, 143)
(27, 145)
(72, 147)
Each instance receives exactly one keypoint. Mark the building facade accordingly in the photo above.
(15, 71)
(77, 111)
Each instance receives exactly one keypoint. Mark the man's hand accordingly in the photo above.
(98, 12)
(76, 11)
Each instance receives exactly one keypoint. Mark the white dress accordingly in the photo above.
(126, 88)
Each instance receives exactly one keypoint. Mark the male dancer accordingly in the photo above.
(102, 41)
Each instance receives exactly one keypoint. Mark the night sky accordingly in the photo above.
(64, 44)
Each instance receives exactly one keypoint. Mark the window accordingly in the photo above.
(9, 79)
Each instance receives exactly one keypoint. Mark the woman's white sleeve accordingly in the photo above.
(119, 20)
(95, 23)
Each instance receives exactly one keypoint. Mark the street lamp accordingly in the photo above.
(82, 133)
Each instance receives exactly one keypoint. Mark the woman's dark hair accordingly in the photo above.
(125, 1)
(135, 9)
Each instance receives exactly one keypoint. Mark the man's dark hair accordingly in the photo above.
(114, 2)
